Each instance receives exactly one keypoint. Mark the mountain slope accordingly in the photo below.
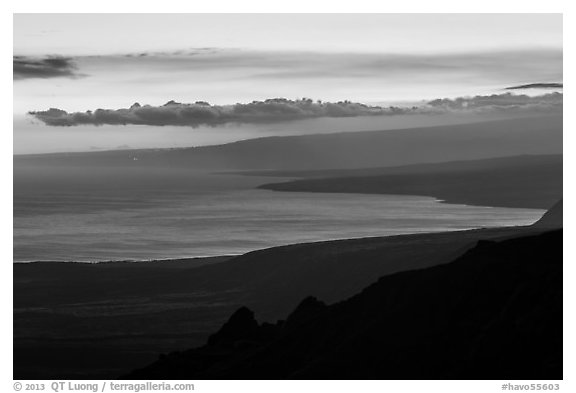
(91, 321)
(522, 181)
(535, 135)
(553, 218)
(493, 313)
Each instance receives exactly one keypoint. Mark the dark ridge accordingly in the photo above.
(531, 181)
(553, 218)
(241, 325)
(309, 308)
(164, 306)
(493, 313)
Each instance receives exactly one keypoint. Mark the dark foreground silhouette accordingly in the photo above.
(99, 321)
(493, 313)
(553, 218)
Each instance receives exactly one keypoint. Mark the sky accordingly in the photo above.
(84, 62)
(104, 34)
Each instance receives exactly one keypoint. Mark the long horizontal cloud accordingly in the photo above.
(280, 110)
(543, 64)
(47, 67)
(537, 86)
(501, 102)
(202, 113)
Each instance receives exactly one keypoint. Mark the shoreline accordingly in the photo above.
(278, 187)
(133, 261)
(225, 257)
(529, 182)
(161, 307)
(526, 181)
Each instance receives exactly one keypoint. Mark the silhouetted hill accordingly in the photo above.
(522, 181)
(553, 218)
(493, 313)
(90, 321)
(534, 135)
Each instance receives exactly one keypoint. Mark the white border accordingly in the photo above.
(260, 6)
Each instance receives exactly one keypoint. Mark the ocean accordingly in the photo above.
(111, 214)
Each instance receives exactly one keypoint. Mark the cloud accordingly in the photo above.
(501, 102)
(537, 86)
(281, 110)
(48, 67)
(500, 67)
(228, 63)
(494, 66)
(201, 113)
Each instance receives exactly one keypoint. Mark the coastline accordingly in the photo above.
(202, 260)
(528, 181)
(126, 314)
(293, 186)
(207, 259)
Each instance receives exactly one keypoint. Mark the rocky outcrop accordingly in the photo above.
(493, 313)
(553, 218)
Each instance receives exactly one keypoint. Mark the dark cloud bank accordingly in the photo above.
(47, 67)
(537, 86)
(202, 113)
(280, 109)
(501, 102)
